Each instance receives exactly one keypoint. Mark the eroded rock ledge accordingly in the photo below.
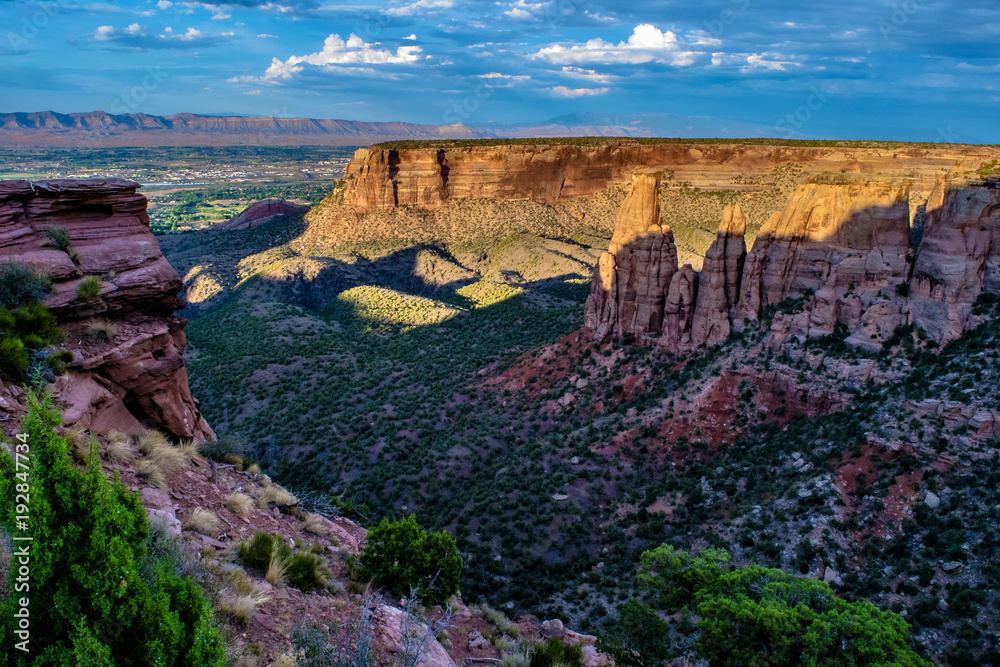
(138, 379)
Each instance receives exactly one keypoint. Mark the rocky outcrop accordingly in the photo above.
(720, 279)
(258, 213)
(958, 257)
(836, 255)
(136, 379)
(632, 278)
(639, 290)
(833, 242)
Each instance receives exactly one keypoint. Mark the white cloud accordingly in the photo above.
(191, 35)
(411, 36)
(588, 74)
(264, 35)
(164, 4)
(134, 29)
(751, 62)
(336, 51)
(498, 80)
(104, 33)
(256, 91)
(526, 10)
(420, 6)
(563, 91)
(646, 44)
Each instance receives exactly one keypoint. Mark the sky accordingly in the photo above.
(924, 70)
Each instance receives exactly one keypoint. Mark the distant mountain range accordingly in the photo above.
(99, 129)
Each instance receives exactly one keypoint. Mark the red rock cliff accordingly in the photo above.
(138, 379)
(843, 250)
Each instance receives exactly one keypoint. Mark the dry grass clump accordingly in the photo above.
(253, 469)
(102, 330)
(79, 445)
(275, 495)
(276, 570)
(117, 436)
(168, 459)
(242, 606)
(240, 503)
(150, 472)
(150, 440)
(233, 460)
(284, 660)
(120, 451)
(202, 521)
(314, 524)
(189, 450)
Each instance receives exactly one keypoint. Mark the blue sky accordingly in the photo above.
(907, 69)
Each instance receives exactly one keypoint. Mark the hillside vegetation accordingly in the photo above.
(454, 385)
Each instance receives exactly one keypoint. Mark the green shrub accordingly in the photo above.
(89, 288)
(98, 595)
(20, 284)
(402, 557)
(257, 553)
(13, 357)
(26, 331)
(553, 653)
(760, 616)
(58, 237)
(305, 572)
(640, 638)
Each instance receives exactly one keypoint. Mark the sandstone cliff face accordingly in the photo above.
(842, 250)
(139, 378)
(640, 290)
(720, 279)
(833, 241)
(632, 278)
(958, 257)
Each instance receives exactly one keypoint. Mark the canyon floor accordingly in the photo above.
(451, 379)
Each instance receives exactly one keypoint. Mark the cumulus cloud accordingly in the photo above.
(107, 33)
(527, 11)
(336, 51)
(564, 91)
(646, 44)
(420, 7)
(137, 37)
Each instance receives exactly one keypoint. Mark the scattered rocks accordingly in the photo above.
(932, 500)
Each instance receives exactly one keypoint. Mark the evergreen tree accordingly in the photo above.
(89, 602)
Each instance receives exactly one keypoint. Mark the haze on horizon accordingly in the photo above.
(922, 70)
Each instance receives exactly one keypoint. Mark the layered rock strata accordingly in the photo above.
(138, 378)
